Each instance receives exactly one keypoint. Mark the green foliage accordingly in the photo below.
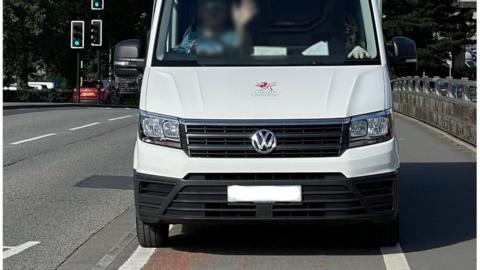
(437, 27)
(48, 95)
(23, 25)
(37, 35)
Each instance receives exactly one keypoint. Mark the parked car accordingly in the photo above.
(93, 92)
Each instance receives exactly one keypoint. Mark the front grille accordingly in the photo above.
(153, 195)
(323, 201)
(207, 202)
(295, 139)
(319, 201)
(379, 195)
(325, 196)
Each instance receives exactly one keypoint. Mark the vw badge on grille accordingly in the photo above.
(264, 141)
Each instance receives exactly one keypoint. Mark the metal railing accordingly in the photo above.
(460, 89)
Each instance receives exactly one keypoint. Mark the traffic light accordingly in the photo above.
(96, 32)
(77, 34)
(98, 4)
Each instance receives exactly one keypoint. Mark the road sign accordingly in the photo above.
(98, 4)
(96, 30)
(77, 34)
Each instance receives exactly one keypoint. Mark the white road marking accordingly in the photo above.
(33, 139)
(72, 129)
(394, 258)
(85, 126)
(17, 249)
(139, 258)
(118, 118)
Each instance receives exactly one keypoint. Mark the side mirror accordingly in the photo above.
(127, 59)
(404, 58)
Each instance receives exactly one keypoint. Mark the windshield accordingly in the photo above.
(266, 32)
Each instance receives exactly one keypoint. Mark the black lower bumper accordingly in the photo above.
(202, 198)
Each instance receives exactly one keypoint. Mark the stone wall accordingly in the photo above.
(455, 116)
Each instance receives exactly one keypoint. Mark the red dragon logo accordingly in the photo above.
(267, 86)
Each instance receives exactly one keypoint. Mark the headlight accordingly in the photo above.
(371, 128)
(159, 129)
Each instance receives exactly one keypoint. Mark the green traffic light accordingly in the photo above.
(77, 43)
(97, 4)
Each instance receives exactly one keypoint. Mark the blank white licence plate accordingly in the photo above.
(264, 194)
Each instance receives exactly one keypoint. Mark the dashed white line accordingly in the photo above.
(71, 129)
(139, 258)
(118, 118)
(17, 249)
(34, 138)
(394, 258)
(85, 126)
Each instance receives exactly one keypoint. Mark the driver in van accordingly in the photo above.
(213, 30)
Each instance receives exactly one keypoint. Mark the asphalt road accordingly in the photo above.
(68, 205)
(61, 190)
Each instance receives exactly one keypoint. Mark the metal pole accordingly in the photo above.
(78, 75)
(99, 56)
(99, 70)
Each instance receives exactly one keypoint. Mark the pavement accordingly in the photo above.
(68, 204)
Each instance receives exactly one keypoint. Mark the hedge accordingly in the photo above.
(46, 95)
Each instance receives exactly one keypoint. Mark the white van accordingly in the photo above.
(269, 111)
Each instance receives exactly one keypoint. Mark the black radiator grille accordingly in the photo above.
(318, 201)
(324, 196)
(378, 194)
(152, 195)
(312, 139)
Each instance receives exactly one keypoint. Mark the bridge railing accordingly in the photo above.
(445, 103)
(446, 87)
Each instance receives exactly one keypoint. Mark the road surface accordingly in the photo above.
(68, 204)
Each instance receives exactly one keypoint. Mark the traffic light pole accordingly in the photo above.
(78, 75)
(99, 68)
(98, 76)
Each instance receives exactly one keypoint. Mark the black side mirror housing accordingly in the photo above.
(127, 60)
(404, 57)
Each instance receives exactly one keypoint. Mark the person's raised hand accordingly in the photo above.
(243, 12)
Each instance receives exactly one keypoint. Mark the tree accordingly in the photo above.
(23, 25)
(37, 32)
(437, 27)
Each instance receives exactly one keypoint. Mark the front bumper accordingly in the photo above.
(327, 197)
(373, 159)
